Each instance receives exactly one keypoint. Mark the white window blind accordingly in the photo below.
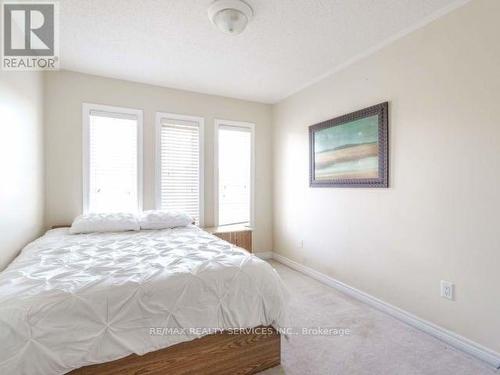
(179, 170)
(234, 171)
(113, 162)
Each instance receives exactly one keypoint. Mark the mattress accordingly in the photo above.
(69, 301)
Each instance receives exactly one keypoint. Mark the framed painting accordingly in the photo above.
(351, 150)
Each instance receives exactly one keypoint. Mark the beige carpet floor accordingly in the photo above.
(377, 345)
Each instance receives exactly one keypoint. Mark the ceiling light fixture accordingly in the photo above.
(230, 16)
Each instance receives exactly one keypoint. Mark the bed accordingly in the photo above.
(143, 300)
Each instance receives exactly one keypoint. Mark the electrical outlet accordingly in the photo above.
(447, 289)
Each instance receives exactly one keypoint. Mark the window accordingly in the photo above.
(179, 164)
(112, 159)
(234, 170)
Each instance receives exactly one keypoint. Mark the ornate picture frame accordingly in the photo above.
(351, 150)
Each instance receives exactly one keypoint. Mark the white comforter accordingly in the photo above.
(72, 300)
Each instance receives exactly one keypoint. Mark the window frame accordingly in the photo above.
(234, 124)
(116, 112)
(201, 178)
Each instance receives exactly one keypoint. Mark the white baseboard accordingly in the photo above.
(264, 255)
(451, 338)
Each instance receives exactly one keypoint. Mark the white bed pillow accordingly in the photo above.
(105, 222)
(156, 219)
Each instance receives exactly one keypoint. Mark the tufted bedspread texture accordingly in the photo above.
(69, 301)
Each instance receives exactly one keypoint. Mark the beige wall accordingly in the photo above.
(66, 91)
(439, 220)
(21, 161)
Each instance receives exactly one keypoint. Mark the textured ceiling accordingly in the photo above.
(288, 45)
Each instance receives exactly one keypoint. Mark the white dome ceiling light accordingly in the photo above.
(230, 16)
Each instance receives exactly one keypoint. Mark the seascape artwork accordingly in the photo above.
(351, 150)
(347, 151)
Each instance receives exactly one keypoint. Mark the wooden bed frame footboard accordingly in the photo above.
(217, 354)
